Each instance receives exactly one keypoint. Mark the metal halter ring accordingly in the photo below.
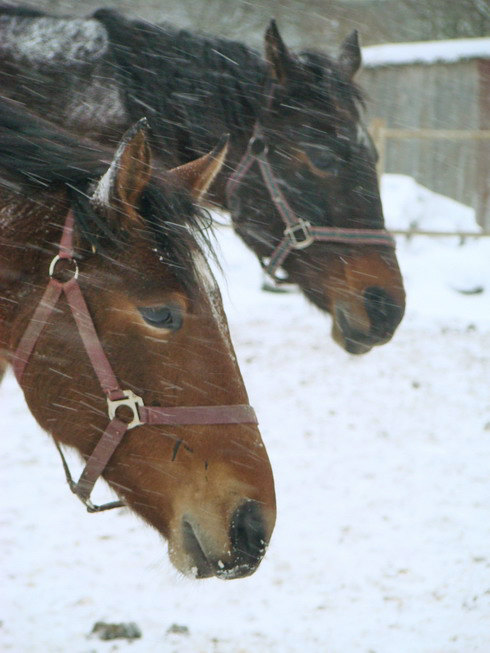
(57, 258)
(132, 401)
(258, 147)
(304, 229)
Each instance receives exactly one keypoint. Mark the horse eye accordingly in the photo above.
(322, 158)
(162, 317)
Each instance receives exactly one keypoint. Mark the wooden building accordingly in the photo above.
(429, 107)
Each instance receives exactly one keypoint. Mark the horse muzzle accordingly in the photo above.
(371, 322)
(204, 555)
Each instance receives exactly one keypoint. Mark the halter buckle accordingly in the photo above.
(258, 147)
(302, 228)
(57, 258)
(130, 400)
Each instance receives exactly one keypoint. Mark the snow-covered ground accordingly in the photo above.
(381, 463)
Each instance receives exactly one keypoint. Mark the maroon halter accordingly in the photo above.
(116, 397)
(298, 233)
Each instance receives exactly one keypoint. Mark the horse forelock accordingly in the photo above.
(330, 80)
(342, 94)
(179, 228)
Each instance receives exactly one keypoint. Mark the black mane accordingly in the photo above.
(34, 154)
(191, 87)
(44, 154)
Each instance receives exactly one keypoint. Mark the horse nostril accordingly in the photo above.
(248, 534)
(384, 313)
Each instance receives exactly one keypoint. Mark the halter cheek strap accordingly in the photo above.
(298, 233)
(116, 397)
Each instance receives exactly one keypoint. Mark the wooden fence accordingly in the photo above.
(381, 133)
(462, 235)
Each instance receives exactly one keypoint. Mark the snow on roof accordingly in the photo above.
(425, 52)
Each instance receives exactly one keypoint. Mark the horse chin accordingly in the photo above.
(196, 562)
(350, 345)
(349, 336)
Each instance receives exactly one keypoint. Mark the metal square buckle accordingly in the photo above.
(130, 400)
(303, 228)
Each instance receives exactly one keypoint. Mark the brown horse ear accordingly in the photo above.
(129, 172)
(276, 53)
(350, 54)
(198, 175)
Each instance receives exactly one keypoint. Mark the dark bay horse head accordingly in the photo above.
(207, 486)
(312, 164)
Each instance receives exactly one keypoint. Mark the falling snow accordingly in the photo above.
(381, 468)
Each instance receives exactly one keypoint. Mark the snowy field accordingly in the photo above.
(382, 543)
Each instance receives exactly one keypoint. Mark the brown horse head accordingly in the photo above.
(208, 489)
(313, 159)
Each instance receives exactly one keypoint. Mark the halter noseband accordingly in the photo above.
(298, 233)
(116, 397)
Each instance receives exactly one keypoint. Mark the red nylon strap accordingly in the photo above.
(99, 458)
(235, 414)
(66, 242)
(328, 234)
(242, 169)
(248, 158)
(35, 327)
(356, 236)
(91, 342)
(280, 202)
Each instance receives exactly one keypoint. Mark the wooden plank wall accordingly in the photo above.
(436, 96)
(483, 153)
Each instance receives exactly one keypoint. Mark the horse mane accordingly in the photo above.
(36, 154)
(42, 153)
(150, 59)
(221, 89)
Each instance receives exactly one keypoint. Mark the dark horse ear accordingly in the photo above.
(129, 172)
(350, 55)
(199, 174)
(276, 53)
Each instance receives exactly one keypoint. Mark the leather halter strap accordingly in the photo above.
(116, 397)
(298, 233)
